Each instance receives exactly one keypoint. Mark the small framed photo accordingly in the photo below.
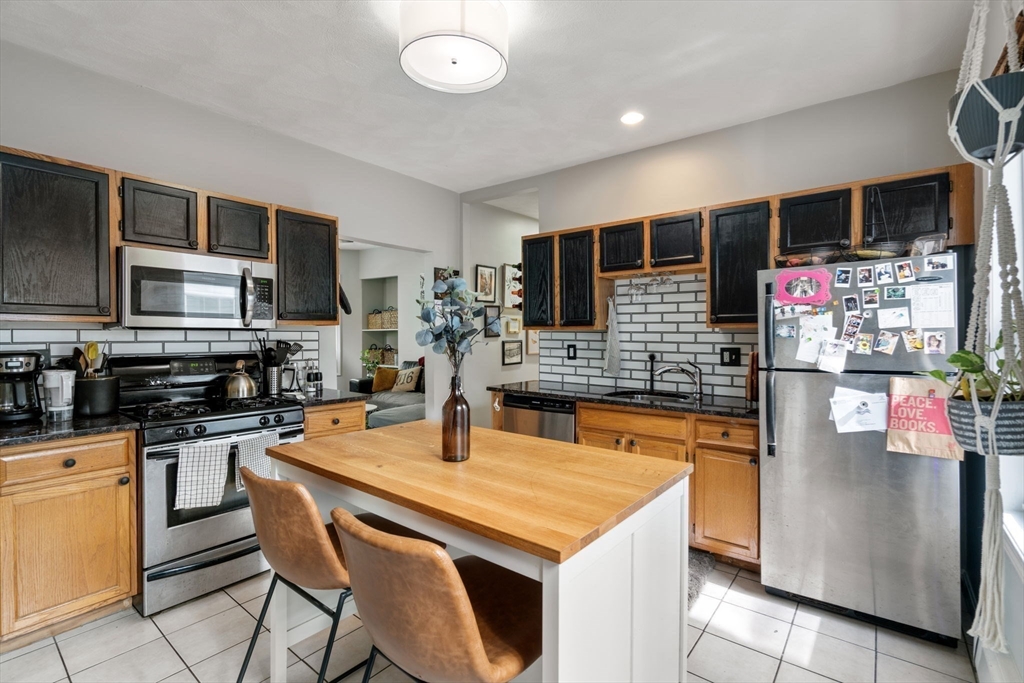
(512, 293)
(486, 284)
(883, 274)
(492, 315)
(871, 297)
(843, 277)
(851, 304)
(512, 352)
(905, 271)
(865, 276)
(514, 325)
(532, 342)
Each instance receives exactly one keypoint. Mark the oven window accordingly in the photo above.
(233, 500)
(185, 293)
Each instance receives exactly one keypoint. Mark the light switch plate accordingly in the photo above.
(570, 351)
(730, 355)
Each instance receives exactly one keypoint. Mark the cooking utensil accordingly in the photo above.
(81, 363)
(294, 349)
(92, 354)
(240, 384)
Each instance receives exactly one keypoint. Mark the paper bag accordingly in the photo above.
(917, 419)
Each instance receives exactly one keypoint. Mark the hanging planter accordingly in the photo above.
(978, 122)
(1009, 426)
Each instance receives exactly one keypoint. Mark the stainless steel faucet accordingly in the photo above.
(696, 376)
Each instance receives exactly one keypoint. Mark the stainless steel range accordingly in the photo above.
(179, 401)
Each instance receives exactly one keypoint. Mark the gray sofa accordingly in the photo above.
(393, 407)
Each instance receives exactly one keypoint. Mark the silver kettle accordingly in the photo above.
(239, 384)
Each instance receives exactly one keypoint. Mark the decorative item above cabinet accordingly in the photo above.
(159, 214)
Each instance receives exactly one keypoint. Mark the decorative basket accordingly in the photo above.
(814, 257)
(388, 355)
(373, 354)
(1009, 425)
(389, 318)
(875, 250)
(375, 320)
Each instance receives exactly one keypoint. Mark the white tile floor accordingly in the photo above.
(737, 633)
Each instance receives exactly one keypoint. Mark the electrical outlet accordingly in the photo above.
(570, 351)
(730, 355)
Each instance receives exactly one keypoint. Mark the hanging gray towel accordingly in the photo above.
(252, 453)
(612, 353)
(202, 472)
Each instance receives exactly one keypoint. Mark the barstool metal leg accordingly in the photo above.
(330, 638)
(259, 624)
(369, 664)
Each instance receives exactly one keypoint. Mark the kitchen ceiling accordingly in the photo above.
(327, 73)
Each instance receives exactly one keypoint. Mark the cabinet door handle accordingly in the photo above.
(639, 263)
(193, 243)
(725, 435)
(123, 481)
(753, 461)
(632, 442)
(214, 247)
(335, 421)
(654, 261)
(104, 310)
(70, 462)
(497, 406)
(618, 442)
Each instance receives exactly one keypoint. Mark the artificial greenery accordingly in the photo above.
(986, 379)
(449, 323)
(370, 360)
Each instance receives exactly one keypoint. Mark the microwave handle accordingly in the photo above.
(250, 297)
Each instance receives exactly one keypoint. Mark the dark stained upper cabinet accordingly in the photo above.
(814, 221)
(539, 282)
(54, 238)
(622, 247)
(307, 254)
(675, 240)
(576, 278)
(158, 214)
(906, 209)
(738, 237)
(239, 229)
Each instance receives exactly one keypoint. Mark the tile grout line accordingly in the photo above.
(61, 655)
(174, 650)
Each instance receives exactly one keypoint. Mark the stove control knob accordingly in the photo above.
(181, 432)
(278, 419)
(199, 430)
(264, 421)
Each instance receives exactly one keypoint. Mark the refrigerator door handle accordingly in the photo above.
(769, 325)
(769, 408)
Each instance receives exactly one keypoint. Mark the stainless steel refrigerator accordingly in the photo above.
(844, 521)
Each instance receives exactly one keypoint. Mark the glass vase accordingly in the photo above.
(455, 424)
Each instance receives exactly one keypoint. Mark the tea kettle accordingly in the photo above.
(239, 384)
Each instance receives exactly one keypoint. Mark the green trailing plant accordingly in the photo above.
(449, 323)
(370, 361)
(986, 372)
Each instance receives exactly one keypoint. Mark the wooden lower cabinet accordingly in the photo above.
(659, 448)
(67, 541)
(612, 441)
(726, 502)
(332, 419)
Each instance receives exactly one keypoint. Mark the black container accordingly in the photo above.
(97, 396)
(978, 123)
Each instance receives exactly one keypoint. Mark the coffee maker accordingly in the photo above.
(19, 397)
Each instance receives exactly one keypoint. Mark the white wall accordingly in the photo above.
(491, 237)
(56, 108)
(351, 325)
(407, 267)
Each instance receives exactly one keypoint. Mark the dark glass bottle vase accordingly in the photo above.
(455, 425)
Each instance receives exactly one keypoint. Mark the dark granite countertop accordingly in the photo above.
(715, 405)
(13, 434)
(329, 397)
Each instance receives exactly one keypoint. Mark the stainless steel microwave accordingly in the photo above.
(171, 289)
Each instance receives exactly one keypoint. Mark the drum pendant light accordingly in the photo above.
(455, 46)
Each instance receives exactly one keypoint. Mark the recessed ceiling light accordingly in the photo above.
(632, 117)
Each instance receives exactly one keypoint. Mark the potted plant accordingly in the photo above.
(1009, 422)
(449, 329)
(370, 361)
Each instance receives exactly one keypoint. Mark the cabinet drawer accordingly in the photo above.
(34, 462)
(727, 434)
(636, 423)
(336, 419)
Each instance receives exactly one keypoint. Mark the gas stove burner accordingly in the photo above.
(170, 409)
(256, 402)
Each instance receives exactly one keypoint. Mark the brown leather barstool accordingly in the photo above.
(303, 551)
(435, 619)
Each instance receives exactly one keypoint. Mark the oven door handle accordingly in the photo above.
(196, 566)
(250, 297)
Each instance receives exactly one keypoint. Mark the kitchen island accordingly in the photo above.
(603, 533)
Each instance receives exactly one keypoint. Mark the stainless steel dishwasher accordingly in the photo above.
(548, 418)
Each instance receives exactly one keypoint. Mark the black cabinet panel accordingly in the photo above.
(157, 214)
(539, 282)
(739, 248)
(814, 220)
(675, 240)
(622, 247)
(239, 229)
(906, 209)
(576, 277)
(307, 253)
(54, 238)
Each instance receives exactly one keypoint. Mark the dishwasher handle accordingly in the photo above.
(547, 405)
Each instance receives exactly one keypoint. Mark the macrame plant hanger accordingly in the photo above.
(997, 224)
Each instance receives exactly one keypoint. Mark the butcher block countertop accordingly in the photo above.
(547, 498)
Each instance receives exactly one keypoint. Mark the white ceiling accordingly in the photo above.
(524, 203)
(328, 73)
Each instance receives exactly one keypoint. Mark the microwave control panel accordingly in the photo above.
(264, 309)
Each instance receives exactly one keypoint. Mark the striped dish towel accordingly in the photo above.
(252, 453)
(202, 472)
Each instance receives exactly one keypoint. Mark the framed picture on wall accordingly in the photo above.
(532, 342)
(514, 325)
(486, 283)
(441, 274)
(492, 314)
(511, 353)
(512, 292)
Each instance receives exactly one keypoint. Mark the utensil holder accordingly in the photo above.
(272, 380)
(97, 396)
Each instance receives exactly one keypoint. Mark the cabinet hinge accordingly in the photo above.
(120, 190)
(694, 527)
(701, 216)
(702, 250)
(951, 186)
(950, 229)
(120, 224)
(769, 212)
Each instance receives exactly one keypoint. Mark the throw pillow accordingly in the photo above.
(384, 379)
(407, 379)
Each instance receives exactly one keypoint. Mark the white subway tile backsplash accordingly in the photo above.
(45, 336)
(160, 335)
(136, 349)
(187, 347)
(5, 336)
(221, 347)
(207, 335)
(112, 335)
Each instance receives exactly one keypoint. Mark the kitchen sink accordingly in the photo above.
(651, 396)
